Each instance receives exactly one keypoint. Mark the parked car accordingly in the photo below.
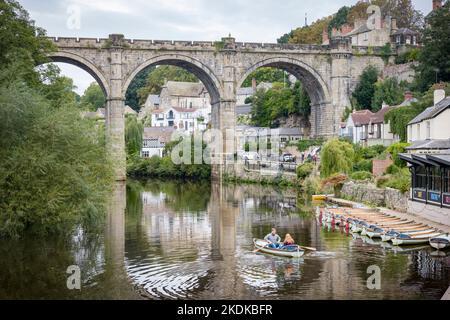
(287, 157)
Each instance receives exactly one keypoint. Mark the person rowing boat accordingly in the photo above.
(274, 239)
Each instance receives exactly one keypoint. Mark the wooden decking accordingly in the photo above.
(415, 218)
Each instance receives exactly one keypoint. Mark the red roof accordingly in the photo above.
(379, 116)
(183, 109)
(361, 117)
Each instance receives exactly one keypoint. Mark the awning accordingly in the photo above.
(436, 160)
(408, 158)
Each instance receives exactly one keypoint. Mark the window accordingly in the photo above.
(446, 186)
(421, 178)
(418, 132)
(145, 154)
(428, 130)
(434, 179)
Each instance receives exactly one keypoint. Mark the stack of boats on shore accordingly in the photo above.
(375, 224)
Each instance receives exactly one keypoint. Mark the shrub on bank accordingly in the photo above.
(304, 171)
(361, 175)
(363, 165)
(400, 181)
(54, 169)
(157, 167)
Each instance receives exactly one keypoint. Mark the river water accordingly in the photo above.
(180, 240)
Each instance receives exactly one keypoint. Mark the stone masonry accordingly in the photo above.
(328, 73)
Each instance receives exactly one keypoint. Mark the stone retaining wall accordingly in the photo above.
(370, 194)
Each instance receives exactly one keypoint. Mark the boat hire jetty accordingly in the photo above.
(374, 224)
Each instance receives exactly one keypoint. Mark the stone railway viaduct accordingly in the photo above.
(328, 73)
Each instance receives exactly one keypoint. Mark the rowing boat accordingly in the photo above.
(291, 252)
(377, 231)
(440, 242)
(406, 239)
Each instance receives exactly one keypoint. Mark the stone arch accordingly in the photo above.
(86, 65)
(312, 81)
(200, 70)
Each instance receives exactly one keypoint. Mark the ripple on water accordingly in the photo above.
(169, 276)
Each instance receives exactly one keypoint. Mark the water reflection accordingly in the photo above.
(206, 252)
(173, 240)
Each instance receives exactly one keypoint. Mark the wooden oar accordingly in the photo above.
(307, 248)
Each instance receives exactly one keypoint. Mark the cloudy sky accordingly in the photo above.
(246, 20)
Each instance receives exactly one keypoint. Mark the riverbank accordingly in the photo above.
(398, 214)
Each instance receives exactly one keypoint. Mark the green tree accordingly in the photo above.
(388, 91)
(365, 90)
(93, 98)
(23, 45)
(302, 101)
(434, 59)
(310, 34)
(336, 157)
(54, 169)
(339, 19)
(267, 74)
(157, 77)
(399, 118)
(134, 130)
(132, 96)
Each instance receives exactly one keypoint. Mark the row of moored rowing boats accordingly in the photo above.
(375, 224)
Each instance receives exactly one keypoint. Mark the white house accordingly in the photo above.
(155, 140)
(184, 106)
(433, 123)
(369, 129)
(182, 119)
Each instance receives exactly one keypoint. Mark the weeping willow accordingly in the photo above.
(133, 135)
(336, 157)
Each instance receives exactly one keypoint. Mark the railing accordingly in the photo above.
(271, 166)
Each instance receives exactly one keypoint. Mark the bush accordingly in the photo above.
(400, 181)
(337, 157)
(393, 169)
(55, 172)
(312, 185)
(304, 145)
(394, 150)
(363, 165)
(305, 170)
(361, 175)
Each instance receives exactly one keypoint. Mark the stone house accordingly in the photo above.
(368, 129)
(428, 158)
(155, 140)
(433, 123)
(182, 119)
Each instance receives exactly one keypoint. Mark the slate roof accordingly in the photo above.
(405, 31)
(163, 134)
(246, 91)
(430, 144)
(184, 89)
(153, 99)
(432, 112)
(243, 110)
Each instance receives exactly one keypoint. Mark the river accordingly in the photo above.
(181, 240)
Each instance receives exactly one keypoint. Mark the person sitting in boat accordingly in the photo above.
(273, 238)
(288, 240)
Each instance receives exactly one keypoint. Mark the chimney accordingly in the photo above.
(408, 95)
(384, 105)
(346, 29)
(325, 37)
(437, 4)
(439, 95)
(394, 24)
(254, 84)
